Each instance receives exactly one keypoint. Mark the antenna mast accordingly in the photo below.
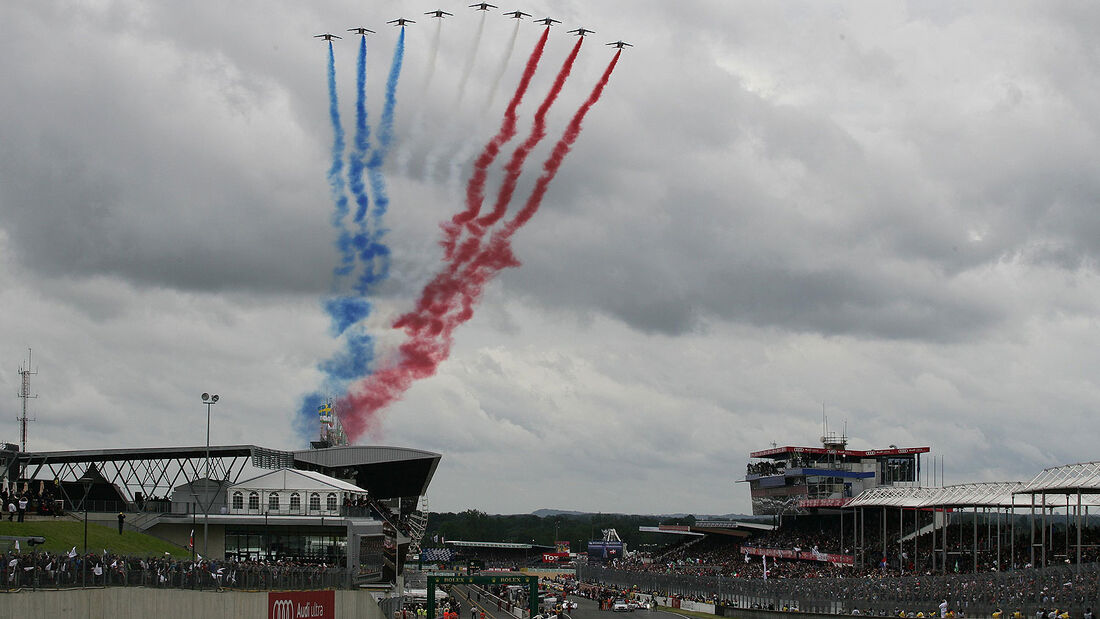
(25, 374)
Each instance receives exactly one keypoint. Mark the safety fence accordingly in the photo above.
(178, 576)
(1069, 587)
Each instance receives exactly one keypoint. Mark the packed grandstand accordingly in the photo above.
(896, 548)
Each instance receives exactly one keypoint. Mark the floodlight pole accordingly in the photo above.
(209, 400)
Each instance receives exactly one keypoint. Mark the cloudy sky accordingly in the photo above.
(886, 210)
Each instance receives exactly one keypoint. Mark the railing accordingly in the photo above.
(1026, 590)
(189, 509)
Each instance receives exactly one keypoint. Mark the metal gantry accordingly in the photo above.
(151, 472)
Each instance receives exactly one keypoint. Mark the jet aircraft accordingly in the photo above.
(518, 14)
(438, 13)
(483, 6)
(620, 44)
(326, 36)
(362, 31)
(401, 21)
(582, 31)
(546, 21)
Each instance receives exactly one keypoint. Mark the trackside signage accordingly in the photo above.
(301, 605)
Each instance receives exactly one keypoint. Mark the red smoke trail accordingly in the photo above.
(475, 189)
(538, 131)
(448, 300)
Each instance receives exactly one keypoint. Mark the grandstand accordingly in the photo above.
(894, 545)
(487, 555)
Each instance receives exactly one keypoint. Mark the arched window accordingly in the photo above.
(330, 504)
(315, 502)
(295, 502)
(253, 500)
(238, 500)
(273, 501)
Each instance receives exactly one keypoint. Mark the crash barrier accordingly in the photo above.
(142, 603)
(1068, 587)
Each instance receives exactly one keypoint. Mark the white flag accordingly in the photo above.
(17, 546)
(72, 553)
(765, 557)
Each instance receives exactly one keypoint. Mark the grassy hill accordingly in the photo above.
(62, 535)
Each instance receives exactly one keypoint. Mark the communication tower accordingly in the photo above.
(25, 373)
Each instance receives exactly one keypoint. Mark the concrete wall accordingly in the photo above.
(141, 603)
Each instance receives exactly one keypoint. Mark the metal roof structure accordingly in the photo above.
(385, 472)
(1083, 478)
(981, 494)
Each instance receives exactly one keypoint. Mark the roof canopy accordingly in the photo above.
(292, 479)
(986, 494)
(1083, 477)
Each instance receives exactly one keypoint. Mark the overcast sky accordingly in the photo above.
(883, 210)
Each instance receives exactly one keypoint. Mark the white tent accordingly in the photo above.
(291, 491)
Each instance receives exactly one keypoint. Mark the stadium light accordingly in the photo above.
(208, 400)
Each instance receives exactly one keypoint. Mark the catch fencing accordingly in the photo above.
(177, 577)
(1027, 590)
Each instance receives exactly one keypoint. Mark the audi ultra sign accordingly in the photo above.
(301, 605)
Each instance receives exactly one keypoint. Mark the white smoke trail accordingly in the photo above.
(470, 59)
(502, 68)
(416, 130)
(439, 146)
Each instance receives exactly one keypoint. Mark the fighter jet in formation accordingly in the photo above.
(546, 21)
(401, 21)
(518, 14)
(483, 6)
(620, 44)
(438, 13)
(362, 31)
(582, 31)
(326, 36)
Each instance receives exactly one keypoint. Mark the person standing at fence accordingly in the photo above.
(121, 519)
(22, 507)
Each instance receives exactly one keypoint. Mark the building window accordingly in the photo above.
(253, 500)
(331, 502)
(295, 502)
(273, 501)
(315, 502)
(238, 500)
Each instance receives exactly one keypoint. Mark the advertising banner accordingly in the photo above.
(301, 605)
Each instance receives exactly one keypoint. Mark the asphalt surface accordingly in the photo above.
(586, 609)
(590, 609)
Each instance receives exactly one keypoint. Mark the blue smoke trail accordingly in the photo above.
(345, 311)
(335, 179)
(374, 255)
(357, 162)
(341, 370)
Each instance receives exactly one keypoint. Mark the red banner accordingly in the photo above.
(555, 557)
(301, 605)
